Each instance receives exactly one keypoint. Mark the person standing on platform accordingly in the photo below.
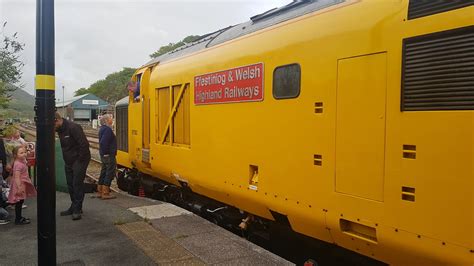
(4, 215)
(17, 137)
(20, 184)
(3, 160)
(76, 155)
(3, 185)
(7, 145)
(108, 152)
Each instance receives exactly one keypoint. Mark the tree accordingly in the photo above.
(171, 46)
(112, 88)
(10, 65)
(81, 91)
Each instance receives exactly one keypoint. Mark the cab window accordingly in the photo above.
(287, 81)
(136, 94)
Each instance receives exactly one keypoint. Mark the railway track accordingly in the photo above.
(91, 136)
(93, 170)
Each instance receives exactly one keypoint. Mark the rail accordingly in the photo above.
(93, 171)
(91, 137)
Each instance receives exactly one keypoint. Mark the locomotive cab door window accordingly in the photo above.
(287, 81)
(135, 92)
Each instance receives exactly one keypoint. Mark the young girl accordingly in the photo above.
(20, 184)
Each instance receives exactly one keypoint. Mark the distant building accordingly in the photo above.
(82, 108)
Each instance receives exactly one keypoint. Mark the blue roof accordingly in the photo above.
(85, 101)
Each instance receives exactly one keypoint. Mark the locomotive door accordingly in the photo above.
(360, 126)
(146, 115)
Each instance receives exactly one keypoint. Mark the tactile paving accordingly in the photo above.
(161, 249)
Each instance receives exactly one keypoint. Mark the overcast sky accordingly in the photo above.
(97, 37)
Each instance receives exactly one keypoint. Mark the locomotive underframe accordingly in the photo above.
(276, 236)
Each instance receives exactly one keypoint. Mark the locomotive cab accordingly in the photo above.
(139, 124)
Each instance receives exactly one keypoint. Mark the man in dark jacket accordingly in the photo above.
(108, 152)
(76, 155)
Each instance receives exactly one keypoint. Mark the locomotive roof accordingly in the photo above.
(122, 102)
(267, 19)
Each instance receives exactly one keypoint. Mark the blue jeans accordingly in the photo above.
(107, 172)
(3, 214)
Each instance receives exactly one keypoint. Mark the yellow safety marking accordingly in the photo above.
(45, 82)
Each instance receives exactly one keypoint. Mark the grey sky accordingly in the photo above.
(97, 37)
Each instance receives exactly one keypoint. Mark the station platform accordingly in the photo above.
(130, 230)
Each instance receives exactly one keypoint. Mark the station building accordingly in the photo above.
(82, 108)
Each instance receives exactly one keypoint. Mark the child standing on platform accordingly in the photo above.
(20, 184)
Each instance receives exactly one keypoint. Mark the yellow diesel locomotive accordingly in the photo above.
(350, 122)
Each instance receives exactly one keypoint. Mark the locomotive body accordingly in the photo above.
(331, 119)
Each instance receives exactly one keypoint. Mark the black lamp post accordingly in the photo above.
(45, 108)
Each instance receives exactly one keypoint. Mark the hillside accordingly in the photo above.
(20, 106)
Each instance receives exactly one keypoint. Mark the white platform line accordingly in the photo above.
(159, 211)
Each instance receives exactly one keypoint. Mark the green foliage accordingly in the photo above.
(4, 95)
(112, 88)
(171, 46)
(10, 65)
(80, 91)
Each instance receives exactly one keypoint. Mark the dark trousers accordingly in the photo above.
(75, 175)
(18, 207)
(107, 172)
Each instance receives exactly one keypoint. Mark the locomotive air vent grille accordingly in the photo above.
(421, 8)
(318, 160)
(409, 151)
(121, 121)
(438, 71)
(318, 107)
(408, 193)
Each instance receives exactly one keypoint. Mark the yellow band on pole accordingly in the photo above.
(45, 82)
